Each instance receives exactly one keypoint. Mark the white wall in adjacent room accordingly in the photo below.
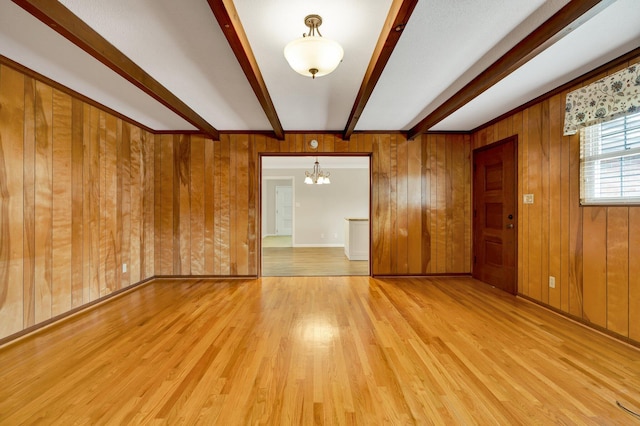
(319, 210)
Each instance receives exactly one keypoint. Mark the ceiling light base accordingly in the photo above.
(313, 21)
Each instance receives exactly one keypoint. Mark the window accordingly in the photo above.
(610, 162)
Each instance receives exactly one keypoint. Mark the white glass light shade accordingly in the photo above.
(313, 52)
(308, 180)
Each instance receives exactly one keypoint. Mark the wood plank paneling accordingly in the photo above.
(426, 204)
(242, 205)
(124, 225)
(209, 206)
(554, 222)
(224, 228)
(634, 274)
(29, 176)
(77, 194)
(589, 250)
(225, 213)
(43, 200)
(92, 202)
(440, 211)
(402, 207)
(66, 220)
(182, 205)
(109, 216)
(62, 212)
(595, 269)
(414, 206)
(197, 194)
(576, 222)
(534, 237)
(136, 261)
(12, 94)
(165, 199)
(617, 279)
(148, 182)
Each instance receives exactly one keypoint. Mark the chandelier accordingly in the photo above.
(313, 55)
(318, 176)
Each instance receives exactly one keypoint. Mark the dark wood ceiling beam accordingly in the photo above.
(227, 16)
(399, 14)
(63, 21)
(567, 19)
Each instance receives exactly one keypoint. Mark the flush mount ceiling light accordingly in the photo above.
(318, 176)
(313, 55)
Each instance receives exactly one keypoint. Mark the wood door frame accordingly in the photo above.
(514, 139)
(368, 155)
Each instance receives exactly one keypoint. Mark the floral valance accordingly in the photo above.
(613, 96)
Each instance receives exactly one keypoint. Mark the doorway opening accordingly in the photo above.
(311, 229)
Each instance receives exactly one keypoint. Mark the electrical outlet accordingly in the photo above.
(124, 267)
(552, 282)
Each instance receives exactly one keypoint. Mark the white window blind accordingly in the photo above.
(610, 162)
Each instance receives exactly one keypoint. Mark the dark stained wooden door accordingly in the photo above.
(494, 214)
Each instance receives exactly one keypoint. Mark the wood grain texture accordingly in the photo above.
(209, 206)
(617, 279)
(318, 350)
(61, 210)
(11, 200)
(591, 251)
(124, 205)
(135, 192)
(43, 200)
(77, 190)
(634, 274)
(92, 202)
(197, 202)
(226, 232)
(29, 181)
(67, 186)
(109, 253)
(595, 269)
(182, 205)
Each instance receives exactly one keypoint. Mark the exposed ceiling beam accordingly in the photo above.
(227, 16)
(63, 21)
(399, 14)
(567, 19)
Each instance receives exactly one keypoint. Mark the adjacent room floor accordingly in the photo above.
(280, 259)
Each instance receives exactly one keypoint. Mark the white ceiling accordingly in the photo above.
(445, 44)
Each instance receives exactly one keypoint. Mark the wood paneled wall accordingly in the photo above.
(207, 201)
(592, 252)
(76, 202)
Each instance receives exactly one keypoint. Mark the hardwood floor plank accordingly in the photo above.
(310, 261)
(337, 350)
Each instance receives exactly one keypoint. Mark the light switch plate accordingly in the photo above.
(528, 199)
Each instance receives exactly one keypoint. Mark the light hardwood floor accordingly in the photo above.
(318, 350)
(310, 261)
